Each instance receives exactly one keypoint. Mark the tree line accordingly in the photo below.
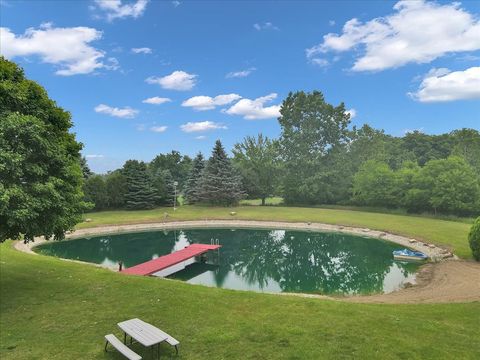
(317, 159)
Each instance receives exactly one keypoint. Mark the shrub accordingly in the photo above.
(474, 239)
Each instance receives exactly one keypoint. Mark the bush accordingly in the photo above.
(474, 239)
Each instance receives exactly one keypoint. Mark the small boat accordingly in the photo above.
(409, 255)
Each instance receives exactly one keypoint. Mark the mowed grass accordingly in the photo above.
(449, 234)
(54, 309)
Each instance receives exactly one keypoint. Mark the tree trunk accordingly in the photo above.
(263, 201)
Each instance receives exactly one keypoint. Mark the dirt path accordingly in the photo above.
(444, 282)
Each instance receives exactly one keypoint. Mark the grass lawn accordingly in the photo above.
(452, 234)
(53, 309)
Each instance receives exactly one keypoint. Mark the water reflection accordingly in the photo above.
(259, 260)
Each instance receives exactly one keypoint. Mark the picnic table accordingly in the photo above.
(144, 333)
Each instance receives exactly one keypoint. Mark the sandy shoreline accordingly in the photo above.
(440, 281)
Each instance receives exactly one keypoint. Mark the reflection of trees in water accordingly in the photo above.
(303, 261)
(297, 261)
(131, 249)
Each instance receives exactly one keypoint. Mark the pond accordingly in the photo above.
(257, 259)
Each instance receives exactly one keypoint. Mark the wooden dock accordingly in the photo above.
(164, 262)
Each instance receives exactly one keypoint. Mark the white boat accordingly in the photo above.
(409, 255)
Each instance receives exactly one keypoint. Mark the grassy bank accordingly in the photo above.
(52, 309)
(451, 234)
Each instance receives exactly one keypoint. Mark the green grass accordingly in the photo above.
(450, 234)
(53, 309)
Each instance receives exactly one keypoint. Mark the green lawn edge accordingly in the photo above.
(449, 234)
(55, 309)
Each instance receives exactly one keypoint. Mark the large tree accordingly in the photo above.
(177, 164)
(116, 187)
(191, 185)
(219, 184)
(96, 191)
(256, 159)
(40, 173)
(311, 130)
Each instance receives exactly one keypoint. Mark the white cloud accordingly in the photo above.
(255, 109)
(265, 26)
(176, 3)
(201, 126)
(201, 137)
(126, 112)
(320, 62)
(68, 48)
(156, 100)
(352, 112)
(331, 22)
(142, 50)
(114, 9)
(94, 156)
(443, 85)
(159, 129)
(177, 80)
(417, 32)
(201, 103)
(240, 74)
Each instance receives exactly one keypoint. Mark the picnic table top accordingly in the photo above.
(145, 333)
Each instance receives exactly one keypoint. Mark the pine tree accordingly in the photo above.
(164, 188)
(191, 185)
(140, 192)
(219, 184)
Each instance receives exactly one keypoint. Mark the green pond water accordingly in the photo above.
(258, 260)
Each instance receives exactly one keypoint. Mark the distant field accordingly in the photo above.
(451, 234)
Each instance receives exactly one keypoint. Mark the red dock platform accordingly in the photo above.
(163, 262)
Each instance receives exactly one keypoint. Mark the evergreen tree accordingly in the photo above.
(85, 168)
(219, 184)
(191, 185)
(140, 192)
(164, 188)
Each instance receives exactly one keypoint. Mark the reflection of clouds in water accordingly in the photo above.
(109, 263)
(277, 235)
(395, 276)
(182, 241)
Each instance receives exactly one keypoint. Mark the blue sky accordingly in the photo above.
(219, 70)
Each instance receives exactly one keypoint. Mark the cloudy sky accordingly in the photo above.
(142, 77)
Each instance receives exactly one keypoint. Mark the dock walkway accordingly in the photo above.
(164, 262)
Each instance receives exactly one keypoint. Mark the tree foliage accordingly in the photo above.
(140, 192)
(191, 185)
(164, 187)
(40, 172)
(474, 239)
(257, 161)
(177, 164)
(95, 190)
(311, 130)
(219, 184)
